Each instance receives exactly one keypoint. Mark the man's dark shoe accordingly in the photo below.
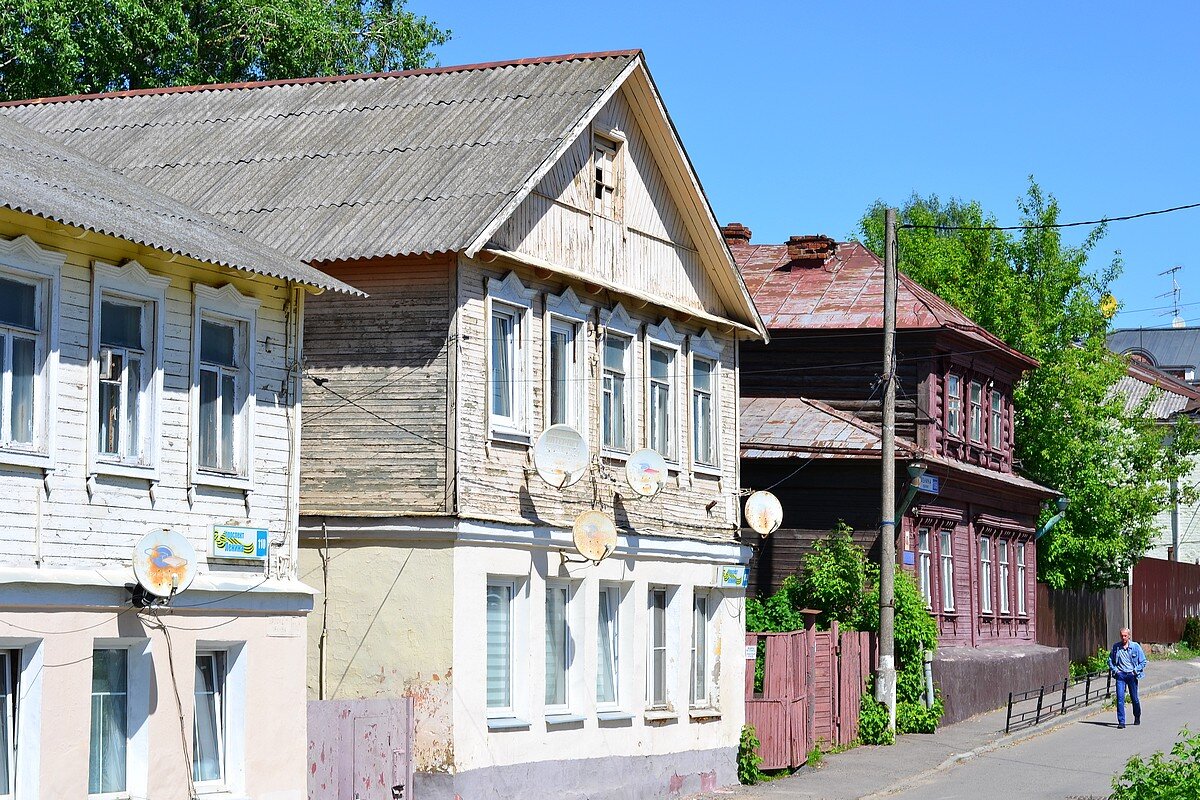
(1137, 720)
(1121, 726)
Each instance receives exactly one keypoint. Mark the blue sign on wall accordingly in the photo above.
(929, 483)
(230, 541)
(733, 577)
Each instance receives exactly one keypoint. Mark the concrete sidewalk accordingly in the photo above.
(870, 772)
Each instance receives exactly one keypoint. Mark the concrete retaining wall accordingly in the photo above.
(974, 680)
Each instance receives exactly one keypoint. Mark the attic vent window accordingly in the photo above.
(604, 181)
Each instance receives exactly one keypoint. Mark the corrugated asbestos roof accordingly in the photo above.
(846, 291)
(343, 168)
(1166, 395)
(804, 428)
(42, 177)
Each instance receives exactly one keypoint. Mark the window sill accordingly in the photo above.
(615, 455)
(660, 715)
(707, 471)
(614, 716)
(26, 458)
(507, 724)
(707, 712)
(116, 470)
(510, 436)
(564, 719)
(201, 478)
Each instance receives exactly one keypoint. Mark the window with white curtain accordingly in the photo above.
(615, 404)
(946, 552)
(223, 392)
(126, 370)
(976, 412)
(10, 671)
(558, 645)
(1021, 578)
(500, 596)
(564, 359)
(656, 681)
(1002, 549)
(700, 650)
(953, 405)
(661, 394)
(608, 647)
(108, 752)
(704, 411)
(505, 341)
(985, 574)
(509, 365)
(924, 556)
(208, 730)
(21, 329)
(996, 439)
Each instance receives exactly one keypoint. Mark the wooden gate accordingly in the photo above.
(360, 749)
(803, 690)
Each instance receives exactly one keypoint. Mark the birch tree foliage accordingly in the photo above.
(57, 47)
(1073, 433)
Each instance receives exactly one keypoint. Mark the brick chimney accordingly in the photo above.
(809, 251)
(735, 233)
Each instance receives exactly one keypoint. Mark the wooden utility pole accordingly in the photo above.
(885, 681)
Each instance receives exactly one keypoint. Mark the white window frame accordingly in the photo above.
(707, 652)
(25, 774)
(946, 557)
(1003, 575)
(23, 260)
(996, 419)
(954, 402)
(985, 574)
(220, 670)
(975, 411)
(616, 322)
(233, 778)
(518, 652)
(568, 633)
(614, 596)
(1021, 578)
(227, 306)
(612, 143)
(707, 348)
(139, 672)
(566, 311)
(664, 337)
(510, 296)
(10, 691)
(924, 565)
(132, 284)
(671, 647)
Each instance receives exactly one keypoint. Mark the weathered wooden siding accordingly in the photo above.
(375, 436)
(78, 531)
(646, 246)
(492, 481)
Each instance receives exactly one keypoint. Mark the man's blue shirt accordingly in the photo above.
(1127, 659)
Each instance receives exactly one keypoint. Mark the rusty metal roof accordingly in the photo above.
(41, 176)
(1164, 394)
(846, 291)
(345, 167)
(800, 427)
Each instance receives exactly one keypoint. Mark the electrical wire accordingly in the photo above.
(187, 756)
(1041, 226)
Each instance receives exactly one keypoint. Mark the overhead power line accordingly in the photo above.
(1101, 221)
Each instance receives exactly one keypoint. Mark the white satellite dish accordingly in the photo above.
(560, 456)
(595, 535)
(764, 513)
(646, 472)
(164, 562)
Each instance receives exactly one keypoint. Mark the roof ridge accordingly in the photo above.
(217, 87)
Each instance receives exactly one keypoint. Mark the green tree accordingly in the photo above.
(1039, 295)
(834, 580)
(56, 47)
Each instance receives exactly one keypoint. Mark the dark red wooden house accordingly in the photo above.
(811, 411)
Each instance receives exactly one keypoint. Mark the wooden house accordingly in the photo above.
(811, 416)
(147, 382)
(537, 250)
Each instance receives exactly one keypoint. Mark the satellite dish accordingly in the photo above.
(646, 472)
(560, 456)
(595, 535)
(164, 562)
(764, 512)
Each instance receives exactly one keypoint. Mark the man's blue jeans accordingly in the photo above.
(1127, 680)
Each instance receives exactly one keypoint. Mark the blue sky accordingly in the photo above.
(799, 115)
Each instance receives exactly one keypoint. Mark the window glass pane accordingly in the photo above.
(499, 643)
(217, 344)
(702, 430)
(614, 353)
(18, 304)
(699, 649)
(660, 364)
(562, 360)
(502, 353)
(110, 401)
(702, 370)
(606, 648)
(21, 402)
(109, 732)
(121, 325)
(658, 647)
(228, 411)
(133, 387)
(206, 740)
(8, 719)
(556, 645)
(614, 397)
(209, 431)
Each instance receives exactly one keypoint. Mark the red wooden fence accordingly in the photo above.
(811, 687)
(1164, 594)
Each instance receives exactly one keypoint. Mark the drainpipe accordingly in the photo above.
(1174, 519)
(916, 469)
(928, 659)
(1050, 523)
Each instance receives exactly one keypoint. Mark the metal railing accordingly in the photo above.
(1026, 709)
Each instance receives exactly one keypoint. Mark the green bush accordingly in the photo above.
(834, 580)
(1096, 663)
(748, 758)
(1162, 777)
(1191, 633)
(873, 720)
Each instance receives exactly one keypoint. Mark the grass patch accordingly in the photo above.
(1175, 652)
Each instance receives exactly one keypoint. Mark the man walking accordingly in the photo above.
(1127, 663)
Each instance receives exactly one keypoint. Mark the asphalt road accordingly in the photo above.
(1075, 762)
